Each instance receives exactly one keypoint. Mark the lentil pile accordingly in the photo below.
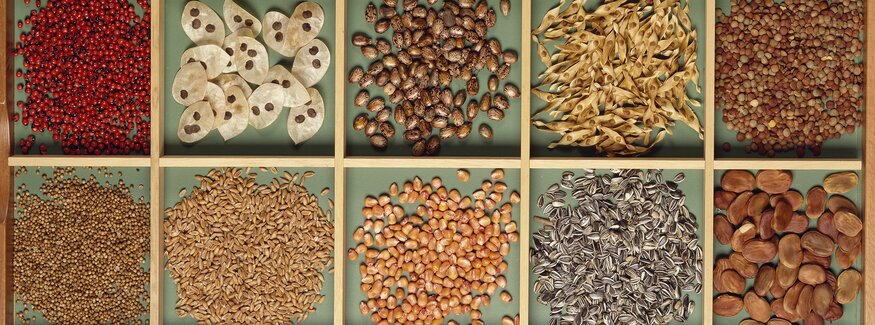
(248, 253)
(431, 48)
(787, 77)
(79, 250)
(87, 76)
(616, 75)
(624, 251)
(761, 218)
(444, 257)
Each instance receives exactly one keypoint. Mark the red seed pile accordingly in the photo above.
(86, 75)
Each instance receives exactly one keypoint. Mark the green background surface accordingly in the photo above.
(273, 140)
(364, 182)
(847, 146)
(176, 179)
(131, 176)
(21, 131)
(683, 143)
(802, 182)
(506, 133)
(692, 187)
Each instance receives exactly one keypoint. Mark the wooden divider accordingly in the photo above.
(157, 161)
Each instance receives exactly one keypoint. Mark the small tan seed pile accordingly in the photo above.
(786, 73)
(616, 75)
(79, 250)
(247, 253)
(445, 257)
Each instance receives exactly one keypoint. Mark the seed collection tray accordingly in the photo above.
(346, 164)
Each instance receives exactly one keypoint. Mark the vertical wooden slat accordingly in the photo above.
(7, 182)
(869, 165)
(710, 112)
(339, 171)
(525, 158)
(156, 174)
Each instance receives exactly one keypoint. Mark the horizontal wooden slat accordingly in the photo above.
(245, 161)
(789, 164)
(80, 161)
(595, 162)
(431, 162)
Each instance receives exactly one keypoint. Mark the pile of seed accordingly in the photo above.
(87, 76)
(616, 77)
(447, 256)
(763, 221)
(248, 253)
(79, 248)
(786, 73)
(624, 251)
(429, 49)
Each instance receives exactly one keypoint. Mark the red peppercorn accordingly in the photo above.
(20, 24)
(87, 73)
(27, 2)
(38, 4)
(43, 149)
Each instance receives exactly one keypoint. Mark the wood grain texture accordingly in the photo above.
(710, 125)
(789, 164)
(598, 162)
(868, 294)
(6, 149)
(525, 163)
(156, 174)
(246, 161)
(80, 161)
(338, 163)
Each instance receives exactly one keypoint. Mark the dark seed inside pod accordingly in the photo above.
(194, 12)
(252, 53)
(249, 65)
(278, 37)
(314, 50)
(307, 14)
(255, 110)
(228, 115)
(210, 28)
(287, 84)
(195, 128)
(277, 25)
(238, 19)
(230, 51)
(311, 112)
(183, 94)
(232, 99)
(300, 119)
(306, 27)
(268, 107)
(196, 23)
(248, 23)
(244, 46)
(317, 64)
(196, 116)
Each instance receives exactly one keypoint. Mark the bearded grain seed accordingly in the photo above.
(78, 249)
(622, 249)
(275, 229)
(616, 118)
(446, 256)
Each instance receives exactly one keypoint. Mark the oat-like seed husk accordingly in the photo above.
(614, 74)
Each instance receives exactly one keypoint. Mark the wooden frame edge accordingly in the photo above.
(7, 148)
(710, 125)
(156, 173)
(338, 164)
(623, 163)
(525, 160)
(868, 316)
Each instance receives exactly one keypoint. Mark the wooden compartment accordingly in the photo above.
(354, 169)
